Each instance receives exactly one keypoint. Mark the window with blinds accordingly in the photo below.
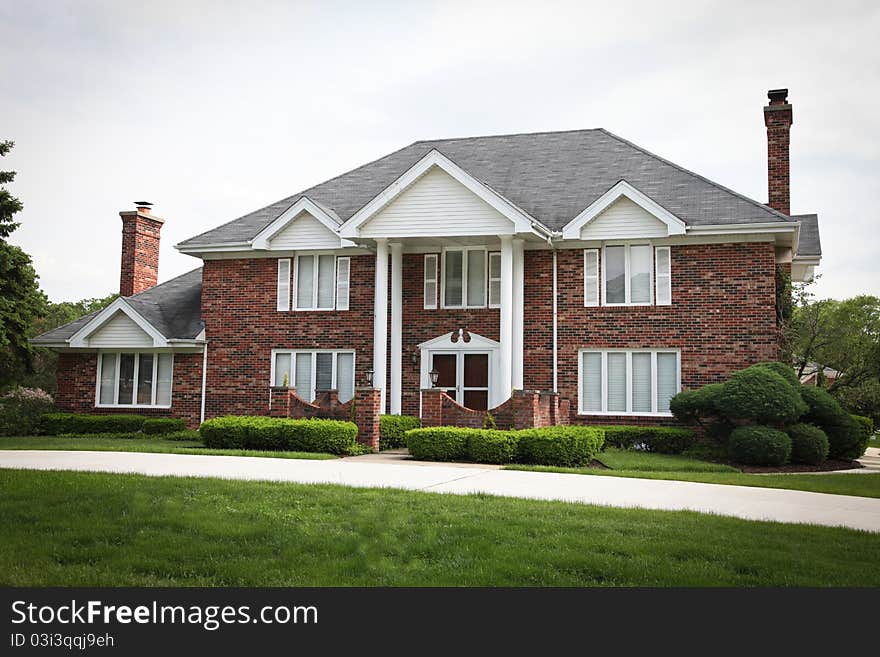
(627, 382)
(323, 282)
(465, 278)
(430, 280)
(311, 371)
(134, 379)
(632, 274)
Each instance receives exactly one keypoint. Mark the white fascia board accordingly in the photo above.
(732, 229)
(523, 223)
(213, 248)
(261, 241)
(79, 338)
(572, 229)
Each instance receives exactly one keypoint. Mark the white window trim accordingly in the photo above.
(597, 278)
(313, 378)
(626, 274)
(464, 260)
(283, 303)
(430, 304)
(295, 289)
(658, 275)
(629, 352)
(490, 279)
(137, 362)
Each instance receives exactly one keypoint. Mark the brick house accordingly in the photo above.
(572, 262)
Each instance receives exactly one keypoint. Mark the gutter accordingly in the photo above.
(555, 343)
(204, 382)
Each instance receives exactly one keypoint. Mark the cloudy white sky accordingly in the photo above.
(211, 110)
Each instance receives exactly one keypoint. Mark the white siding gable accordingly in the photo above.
(120, 331)
(304, 232)
(624, 219)
(437, 204)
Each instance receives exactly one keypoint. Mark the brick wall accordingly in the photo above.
(76, 388)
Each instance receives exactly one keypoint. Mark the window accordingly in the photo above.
(591, 277)
(323, 282)
(430, 280)
(627, 382)
(284, 284)
(495, 280)
(628, 274)
(464, 278)
(663, 276)
(310, 371)
(134, 379)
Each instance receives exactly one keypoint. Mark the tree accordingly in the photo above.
(20, 297)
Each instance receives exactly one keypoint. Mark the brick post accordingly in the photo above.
(279, 402)
(367, 409)
(525, 408)
(564, 411)
(432, 407)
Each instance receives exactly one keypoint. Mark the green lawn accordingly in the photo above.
(86, 529)
(630, 459)
(157, 444)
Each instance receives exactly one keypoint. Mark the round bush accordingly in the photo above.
(663, 440)
(438, 443)
(809, 444)
(693, 405)
(846, 438)
(21, 410)
(761, 395)
(785, 371)
(757, 445)
(393, 428)
(492, 446)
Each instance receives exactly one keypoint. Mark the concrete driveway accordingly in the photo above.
(788, 506)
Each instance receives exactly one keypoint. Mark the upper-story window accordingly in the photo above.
(631, 274)
(321, 282)
(470, 278)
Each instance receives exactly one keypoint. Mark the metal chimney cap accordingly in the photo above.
(778, 95)
(143, 204)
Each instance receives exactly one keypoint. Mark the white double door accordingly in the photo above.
(464, 376)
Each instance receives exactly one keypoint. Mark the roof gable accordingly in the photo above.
(118, 325)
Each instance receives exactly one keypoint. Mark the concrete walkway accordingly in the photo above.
(742, 502)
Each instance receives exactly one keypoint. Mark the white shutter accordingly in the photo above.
(640, 274)
(591, 382)
(667, 379)
(617, 383)
(641, 383)
(430, 280)
(343, 282)
(664, 275)
(345, 376)
(326, 281)
(591, 277)
(283, 284)
(495, 280)
(305, 282)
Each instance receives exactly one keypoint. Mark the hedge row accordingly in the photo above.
(663, 440)
(267, 433)
(393, 428)
(563, 445)
(54, 424)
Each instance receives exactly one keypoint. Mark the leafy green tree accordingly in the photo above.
(20, 297)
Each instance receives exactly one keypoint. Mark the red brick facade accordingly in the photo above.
(76, 388)
(140, 252)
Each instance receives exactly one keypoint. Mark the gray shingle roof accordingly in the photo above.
(173, 308)
(552, 175)
(809, 243)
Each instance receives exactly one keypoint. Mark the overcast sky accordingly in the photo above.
(211, 110)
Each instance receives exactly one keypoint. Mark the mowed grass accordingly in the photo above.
(630, 459)
(92, 443)
(86, 529)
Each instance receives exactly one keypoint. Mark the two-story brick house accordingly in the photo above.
(573, 262)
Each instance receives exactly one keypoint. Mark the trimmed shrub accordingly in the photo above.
(757, 445)
(785, 371)
(569, 446)
(663, 440)
(79, 423)
(492, 446)
(759, 394)
(268, 433)
(866, 424)
(163, 425)
(438, 443)
(393, 428)
(21, 410)
(809, 444)
(846, 438)
(694, 405)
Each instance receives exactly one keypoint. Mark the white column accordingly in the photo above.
(505, 385)
(518, 292)
(380, 317)
(396, 325)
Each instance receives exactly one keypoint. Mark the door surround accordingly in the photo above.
(461, 342)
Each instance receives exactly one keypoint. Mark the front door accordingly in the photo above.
(464, 376)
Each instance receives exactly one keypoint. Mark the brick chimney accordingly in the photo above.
(778, 119)
(140, 249)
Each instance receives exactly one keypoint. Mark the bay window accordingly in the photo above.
(627, 382)
(134, 379)
(311, 370)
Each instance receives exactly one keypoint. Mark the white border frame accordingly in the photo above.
(137, 361)
(294, 290)
(464, 277)
(313, 378)
(603, 293)
(432, 305)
